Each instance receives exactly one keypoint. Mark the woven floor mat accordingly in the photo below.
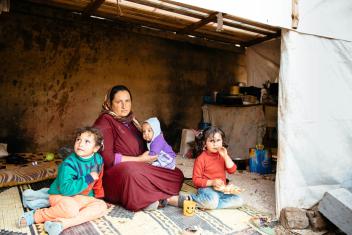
(168, 220)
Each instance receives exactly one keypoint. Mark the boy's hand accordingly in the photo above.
(97, 168)
(94, 175)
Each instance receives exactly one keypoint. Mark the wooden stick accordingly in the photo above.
(295, 14)
(92, 7)
(199, 24)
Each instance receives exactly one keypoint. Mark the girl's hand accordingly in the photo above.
(218, 183)
(232, 189)
(223, 152)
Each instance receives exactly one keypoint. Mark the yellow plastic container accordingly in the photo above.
(189, 208)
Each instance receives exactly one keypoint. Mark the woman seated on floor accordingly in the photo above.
(129, 179)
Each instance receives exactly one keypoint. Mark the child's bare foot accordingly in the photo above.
(173, 200)
(177, 200)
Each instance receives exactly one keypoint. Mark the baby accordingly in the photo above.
(157, 145)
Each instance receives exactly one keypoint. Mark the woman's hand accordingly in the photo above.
(146, 158)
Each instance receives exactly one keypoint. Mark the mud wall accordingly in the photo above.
(54, 75)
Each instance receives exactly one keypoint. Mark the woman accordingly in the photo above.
(129, 179)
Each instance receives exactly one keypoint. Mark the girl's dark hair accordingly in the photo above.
(204, 135)
(98, 137)
(116, 89)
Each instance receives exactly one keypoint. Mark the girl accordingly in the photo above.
(73, 196)
(209, 172)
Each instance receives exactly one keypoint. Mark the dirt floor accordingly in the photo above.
(259, 193)
(259, 189)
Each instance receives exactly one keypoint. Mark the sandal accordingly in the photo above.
(181, 199)
(162, 203)
(172, 201)
(26, 219)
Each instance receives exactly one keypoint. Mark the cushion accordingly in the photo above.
(36, 169)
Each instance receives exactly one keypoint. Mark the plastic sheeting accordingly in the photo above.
(270, 12)
(319, 17)
(263, 63)
(315, 119)
(326, 18)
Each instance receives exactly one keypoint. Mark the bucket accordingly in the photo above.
(241, 163)
(259, 161)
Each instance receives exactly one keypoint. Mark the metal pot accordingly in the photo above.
(241, 163)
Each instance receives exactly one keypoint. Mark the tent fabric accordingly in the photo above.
(263, 63)
(270, 12)
(331, 19)
(318, 17)
(315, 119)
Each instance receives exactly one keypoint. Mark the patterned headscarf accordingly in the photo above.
(106, 108)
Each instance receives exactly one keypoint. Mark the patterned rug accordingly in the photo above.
(36, 169)
(168, 220)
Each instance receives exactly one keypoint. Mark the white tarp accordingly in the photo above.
(319, 17)
(270, 12)
(263, 63)
(326, 18)
(315, 119)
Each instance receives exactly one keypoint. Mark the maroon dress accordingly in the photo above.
(134, 185)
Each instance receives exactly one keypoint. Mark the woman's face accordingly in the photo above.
(121, 104)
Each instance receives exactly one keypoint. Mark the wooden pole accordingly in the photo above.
(295, 14)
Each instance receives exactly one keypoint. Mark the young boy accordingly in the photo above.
(157, 145)
(73, 194)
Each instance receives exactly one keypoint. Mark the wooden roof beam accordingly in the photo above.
(92, 7)
(247, 28)
(262, 39)
(190, 39)
(163, 6)
(238, 19)
(198, 24)
(169, 29)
